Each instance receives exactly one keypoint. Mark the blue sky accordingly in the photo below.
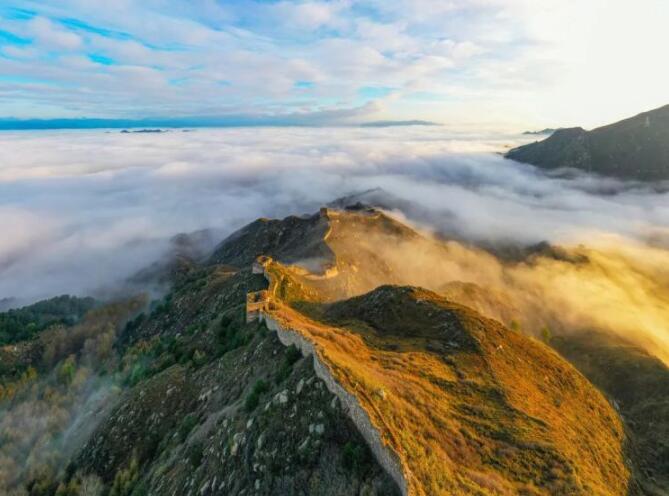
(461, 62)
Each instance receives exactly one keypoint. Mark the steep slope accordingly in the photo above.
(291, 240)
(456, 399)
(639, 385)
(190, 399)
(635, 148)
(225, 409)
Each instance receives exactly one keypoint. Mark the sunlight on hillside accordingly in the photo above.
(445, 386)
(441, 392)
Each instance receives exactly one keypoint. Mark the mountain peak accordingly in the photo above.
(634, 148)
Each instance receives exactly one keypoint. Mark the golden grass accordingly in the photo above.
(498, 414)
(499, 422)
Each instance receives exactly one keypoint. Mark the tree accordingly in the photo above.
(67, 370)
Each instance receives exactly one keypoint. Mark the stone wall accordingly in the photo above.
(385, 457)
(255, 303)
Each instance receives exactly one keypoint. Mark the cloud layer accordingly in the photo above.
(83, 209)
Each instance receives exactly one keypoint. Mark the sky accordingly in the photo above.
(485, 64)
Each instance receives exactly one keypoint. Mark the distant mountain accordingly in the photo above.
(13, 124)
(159, 124)
(635, 148)
(125, 131)
(24, 323)
(548, 130)
(399, 123)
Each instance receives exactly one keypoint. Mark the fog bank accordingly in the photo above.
(84, 209)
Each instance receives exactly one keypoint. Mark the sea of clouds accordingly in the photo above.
(85, 209)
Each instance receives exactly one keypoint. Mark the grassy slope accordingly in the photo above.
(187, 398)
(639, 383)
(197, 419)
(472, 407)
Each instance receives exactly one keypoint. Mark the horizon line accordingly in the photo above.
(27, 124)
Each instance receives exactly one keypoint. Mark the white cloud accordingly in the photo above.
(20, 52)
(52, 37)
(309, 15)
(507, 63)
(96, 206)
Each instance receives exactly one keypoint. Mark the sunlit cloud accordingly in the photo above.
(90, 208)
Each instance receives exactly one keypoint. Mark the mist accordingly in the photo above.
(614, 285)
(86, 209)
(45, 417)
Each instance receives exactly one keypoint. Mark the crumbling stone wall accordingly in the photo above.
(385, 457)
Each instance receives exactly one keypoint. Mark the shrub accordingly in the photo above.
(546, 334)
(138, 373)
(187, 425)
(140, 489)
(69, 489)
(253, 398)
(231, 335)
(195, 454)
(88, 485)
(176, 347)
(199, 358)
(355, 457)
(125, 479)
(226, 320)
(91, 485)
(44, 485)
(292, 355)
(192, 329)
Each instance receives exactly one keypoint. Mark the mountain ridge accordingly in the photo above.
(291, 304)
(634, 148)
(247, 357)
